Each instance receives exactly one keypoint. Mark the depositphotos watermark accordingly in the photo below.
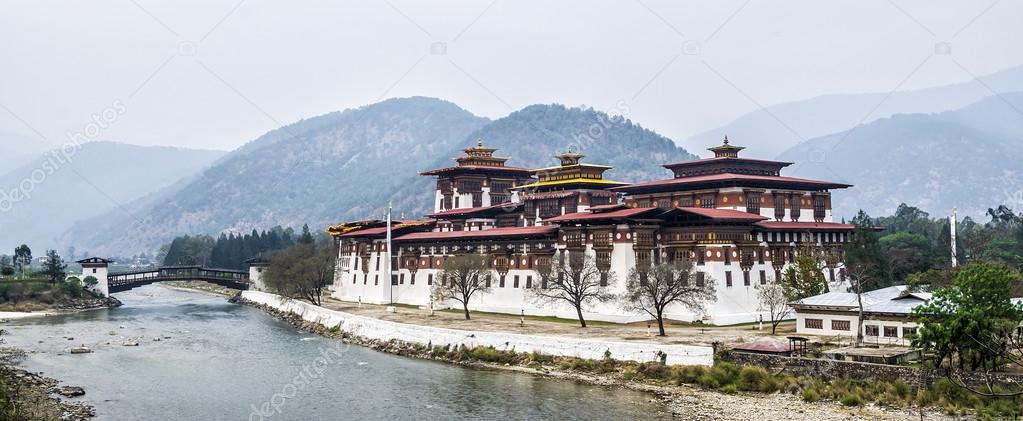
(309, 372)
(56, 159)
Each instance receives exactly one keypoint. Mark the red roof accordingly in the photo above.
(601, 208)
(696, 162)
(616, 214)
(804, 226)
(466, 211)
(722, 214)
(490, 168)
(731, 177)
(764, 346)
(382, 230)
(489, 233)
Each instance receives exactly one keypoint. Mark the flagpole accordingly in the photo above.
(387, 264)
(952, 233)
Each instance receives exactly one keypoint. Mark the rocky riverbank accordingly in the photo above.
(684, 401)
(91, 303)
(32, 396)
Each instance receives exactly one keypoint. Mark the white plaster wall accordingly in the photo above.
(376, 329)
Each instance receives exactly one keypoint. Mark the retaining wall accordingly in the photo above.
(382, 330)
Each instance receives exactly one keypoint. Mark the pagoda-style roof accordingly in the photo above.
(571, 174)
(726, 160)
(95, 261)
(479, 159)
(397, 228)
(488, 234)
(729, 180)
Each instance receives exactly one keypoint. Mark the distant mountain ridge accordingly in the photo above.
(350, 164)
(47, 196)
(966, 158)
(776, 128)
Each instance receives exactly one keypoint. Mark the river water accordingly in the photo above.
(222, 361)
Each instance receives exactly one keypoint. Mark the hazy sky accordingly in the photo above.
(216, 74)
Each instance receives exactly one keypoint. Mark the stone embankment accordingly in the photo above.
(34, 397)
(384, 331)
(88, 303)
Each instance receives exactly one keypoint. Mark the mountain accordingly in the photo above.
(44, 196)
(966, 158)
(774, 129)
(349, 165)
(17, 150)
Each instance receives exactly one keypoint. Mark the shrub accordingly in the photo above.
(756, 379)
(729, 389)
(852, 399)
(811, 395)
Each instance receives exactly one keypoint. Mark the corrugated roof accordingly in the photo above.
(489, 233)
(615, 214)
(804, 226)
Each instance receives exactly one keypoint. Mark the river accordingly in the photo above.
(222, 361)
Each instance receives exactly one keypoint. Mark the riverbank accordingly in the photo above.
(683, 400)
(199, 286)
(63, 307)
(32, 396)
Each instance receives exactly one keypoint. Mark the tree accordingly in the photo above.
(572, 277)
(804, 278)
(972, 325)
(306, 237)
(463, 277)
(90, 282)
(303, 270)
(22, 258)
(6, 266)
(865, 263)
(653, 290)
(775, 298)
(54, 267)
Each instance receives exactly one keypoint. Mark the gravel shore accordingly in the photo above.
(36, 397)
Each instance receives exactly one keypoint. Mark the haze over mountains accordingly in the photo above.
(776, 128)
(100, 177)
(348, 165)
(967, 158)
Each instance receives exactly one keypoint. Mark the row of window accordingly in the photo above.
(868, 330)
(745, 278)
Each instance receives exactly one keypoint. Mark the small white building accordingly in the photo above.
(885, 314)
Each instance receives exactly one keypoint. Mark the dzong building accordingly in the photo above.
(738, 219)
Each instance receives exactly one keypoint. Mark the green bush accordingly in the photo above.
(811, 395)
(852, 399)
(756, 379)
(729, 389)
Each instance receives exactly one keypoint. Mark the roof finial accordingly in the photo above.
(479, 142)
(726, 139)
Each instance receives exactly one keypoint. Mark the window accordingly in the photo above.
(813, 323)
(908, 332)
(700, 278)
(500, 281)
(870, 330)
(779, 207)
(394, 279)
(549, 208)
(753, 203)
(818, 208)
(701, 255)
(378, 263)
(401, 279)
(376, 279)
(686, 202)
(412, 279)
(664, 203)
(515, 281)
(728, 278)
(796, 204)
(728, 255)
(891, 331)
(745, 278)
(763, 277)
(355, 278)
(839, 325)
(429, 279)
(529, 281)
(707, 201)
(94, 270)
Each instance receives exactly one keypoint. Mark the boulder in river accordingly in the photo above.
(131, 343)
(71, 391)
(81, 350)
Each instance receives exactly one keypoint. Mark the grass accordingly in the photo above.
(730, 378)
(533, 318)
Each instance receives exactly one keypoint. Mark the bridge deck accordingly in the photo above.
(231, 278)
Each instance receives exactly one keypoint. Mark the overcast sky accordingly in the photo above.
(217, 74)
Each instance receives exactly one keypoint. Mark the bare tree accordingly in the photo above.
(303, 270)
(653, 289)
(571, 277)
(462, 278)
(774, 298)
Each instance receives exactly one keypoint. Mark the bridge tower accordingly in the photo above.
(97, 268)
(257, 266)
